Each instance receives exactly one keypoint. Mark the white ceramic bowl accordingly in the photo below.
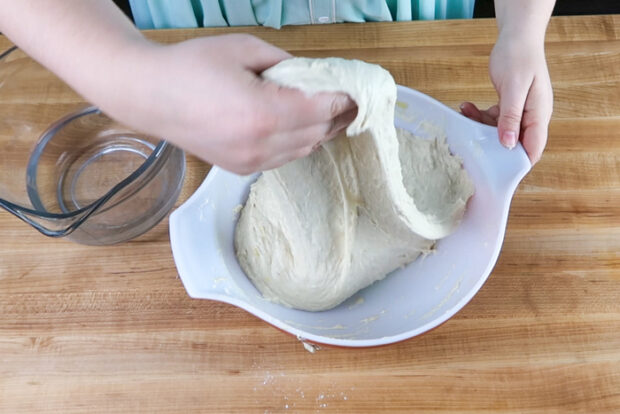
(408, 302)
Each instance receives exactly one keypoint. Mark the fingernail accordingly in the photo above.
(462, 106)
(509, 139)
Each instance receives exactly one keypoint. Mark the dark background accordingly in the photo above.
(485, 8)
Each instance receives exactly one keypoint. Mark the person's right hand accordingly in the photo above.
(206, 95)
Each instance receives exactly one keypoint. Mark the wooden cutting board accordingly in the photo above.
(92, 329)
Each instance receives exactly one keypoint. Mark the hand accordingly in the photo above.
(519, 73)
(206, 95)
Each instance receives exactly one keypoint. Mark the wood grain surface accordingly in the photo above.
(92, 329)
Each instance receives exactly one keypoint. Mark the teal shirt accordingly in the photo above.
(160, 14)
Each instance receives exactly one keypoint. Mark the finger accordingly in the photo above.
(298, 144)
(472, 112)
(312, 136)
(256, 54)
(511, 104)
(280, 160)
(293, 109)
(284, 158)
(278, 149)
(538, 110)
(493, 112)
(488, 119)
(341, 122)
(307, 110)
(534, 140)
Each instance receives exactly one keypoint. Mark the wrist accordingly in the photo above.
(531, 34)
(523, 19)
(99, 72)
(533, 41)
(115, 81)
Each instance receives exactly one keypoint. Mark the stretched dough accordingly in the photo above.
(316, 230)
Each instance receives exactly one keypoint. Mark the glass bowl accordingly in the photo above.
(70, 171)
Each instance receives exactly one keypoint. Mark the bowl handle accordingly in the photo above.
(507, 167)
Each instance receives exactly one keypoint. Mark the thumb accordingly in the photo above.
(511, 103)
(255, 54)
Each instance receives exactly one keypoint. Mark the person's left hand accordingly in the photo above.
(519, 73)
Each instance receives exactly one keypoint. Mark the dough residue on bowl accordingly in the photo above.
(316, 230)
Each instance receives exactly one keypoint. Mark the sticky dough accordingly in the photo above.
(316, 230)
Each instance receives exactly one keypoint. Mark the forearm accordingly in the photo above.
(85, 42)
(527, 18)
